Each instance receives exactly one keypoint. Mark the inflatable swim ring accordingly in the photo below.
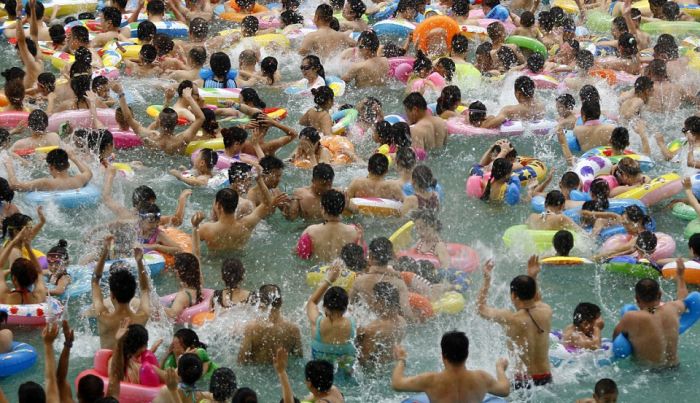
(224, 161)
(589, 168)
(174, 29)
(32, 314)
(530, 240)
(187, 314)
(81, 118)
(333, 82)
(559, 354)
(517, 127)
(645, 163)
(13, 118)
(422, 31)
(665, 246)
(525, 42)
(237, 16)
(87, 196)
(671, 27)
(565, 261)
(125, 139)
(692, 271)
(659, 189)
(684, 212)
(343, 119)
(317, 273)
(393, 29)
(376, 207)
(21, 357)
(340, 148)
(462, 257)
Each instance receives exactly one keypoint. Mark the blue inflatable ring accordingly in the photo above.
(22, 356)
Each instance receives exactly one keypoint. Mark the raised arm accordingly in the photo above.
(126, 111)
(279, 361)
(501, 385)
(189, 134)
(135, 15)
(692, 200)
(49, 335)
(64, 389)
(681, 287)
(116, 367)
(263, 209)
(561, 137)
(270, 147)
(144, 283)
(400, 382)
(312, 312)
(97, 300)
(668, 155)
(116, 208)
(640, 128)
(175, 220)
(85, 172)
(485, 311)
(197, 219)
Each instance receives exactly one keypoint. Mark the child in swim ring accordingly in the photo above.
(319, 117)
(58, 260)
(202, 169)
(309, 152)
(629, 175)
(150, 236)
(585, 331)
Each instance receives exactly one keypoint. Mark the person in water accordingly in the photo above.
(527, 328)
(58, 260)
(26, 275)
(605, 391)
(305, 202)
(455, 382)
(585, 330)
(319, 380)
(653, 329)
(376, 340)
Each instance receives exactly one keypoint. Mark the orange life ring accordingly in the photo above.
(202, 317)
(421, 306)
(340, 148)
(236, 15)
(420, 34)
(181, 238)
(609, 75)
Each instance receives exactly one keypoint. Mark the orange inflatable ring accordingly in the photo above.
(340, 148)
(607, 74)
(203, 317)
(421, 306)
(420, 34)
(236, 15)
(181, 238)
(3, 100)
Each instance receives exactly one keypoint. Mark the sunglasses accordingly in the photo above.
(685, 130)
(55, 258)
(153, 217)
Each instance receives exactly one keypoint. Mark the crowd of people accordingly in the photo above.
(75, 114)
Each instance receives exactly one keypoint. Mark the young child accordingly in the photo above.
(565, 110)
(585, 331)
(526, 26)
(605, 392)
(319, 116)
(58, 259)
(150, 235)
(202, 169)
(100, 86)
(629, 175)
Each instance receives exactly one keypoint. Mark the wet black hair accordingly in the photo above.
(268, 68)
(322, 95)
(142, 195)
(524, 287)
(620, 138)
(546, 21)
(156, 7)
(311, 134)
(189, 368)
(563, 242)
(589, 93)
(336, 299)
(694, 244)
(333, 202)
(449, 98)
(189, 339)
(145, 31)
(324, 13)
(567, 100)
(13, 73)
(415, 100)
(646, 241)
(163, 43)
(525, 86)
(647, 290)
(199, 28)
(535, 62)
(585, 312)
(387, 295)
(31, 392)
(319, 373)
(61, 248)
(378, 164)
(57, 33)
(6, 192)
(590, 110)
(322, 172)
(570, 180)
(23, 272)
(112, 15)
(210, 157)
(423, 179)
(422, 62)
(381, 250)
(232, 272)
(289, 17)
(353, 256)
(527, 19)
(228, 198)
(90, 388)
(460, 44)
(643, 83)
(357, 7)
(122, 285)
(315, 64)
(223, 384)
(233, 135)
(455, 347)
(461, 8)
(500, 169)
(554, 198)
(368, 40)
(605, 386)
(148, 53)
(270, 295)
(244, 395)
(58, 158)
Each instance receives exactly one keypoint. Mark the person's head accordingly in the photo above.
(487, 5)
(692, 125)
(415, 106)
(311, 67)
(38, 121)
(164, 44)
(57, 257)
(694, 245)
(427, 225)
(220, 65)
(23, 273)
(423, 179)
(13, 73)
(523, 289)
(232, 272)
(155, 8)
(322, 178)
(148, 54)
(6, 192)
(57, 161)
(206, 160)
(239, 177)
(643, 87)
(272, 168)
(111, 18)
(368, 43)
(496, 32)
(460, 43)
(311, 136)
(323, 15)
(527, 19)
(524, 88)
(226, 200)
(135, 341)
(90, 388)
(188, 271)
(234, 137)
(244, 395)
(386, 299)
(646, 242)
(620, 138)
(381, 251)
(333, 203)
(100, 86)
(405, 158)
(378, 164)
(565, 104)
(31, 392)
(185, 339)
(354, 10)
(289, 17)
(422, 65)
(484, 61)
(647, 291)
(335, 301)
(223, 384)
(671, 11)
(585, 316)
(545, 21)
(655, 70)
(407, 9)
(506, 57)
(584, 59)
(477, 113)
(656, 7)
(80, 37)
(199, 29)
(268, 68)
(145, 31)
(189, 368)
(446, 67)
(12, 225)
(589, 93)
(501, 170)
(627, 44)
(319, 375)
(618, 27)
(455, 348)
(605, 391)
(554, 201)
(210, 125)
(250, 25)
(14, 92)
(535, 63)
(400, 133)
(563, 242)
(142, 196)
(391, 49)
(57, 34)
(10, 7)
(353, 255)
(628, 170)
(323, 97)
(590, 110)
(270, 296)
(449, 99)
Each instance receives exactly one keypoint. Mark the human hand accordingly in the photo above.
(171, 379)
(170, 92)
(400, 353)
(187, 93)
(279, 361)
(107, 243)
(280, 200)
(680, 269)
(502, 364)
(123, 328)
(91, 97)
(40, 214)
(68, 334)
(185, 194)
(50, 332)
(138, 254)
(197, 219)
(687, 185)
(333, 272)
(116, 87)
(488, 269)
(175, 173)
(533, 266)
(156, 345)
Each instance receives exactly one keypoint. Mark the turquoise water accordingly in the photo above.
(269, 259)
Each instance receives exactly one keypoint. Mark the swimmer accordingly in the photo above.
(37, 122)
(629, 175)
(310, 152)
(605, 392)
(272, 170)
(528, 107)
(563, 242)
(6, 335)
(232, 275)
(15, 94)
(122, 289)
(25, 274)
(111, 28)
(149, 234)
(447, 103)
(425, 195)
(239, 178)
(319, 380)
(323, 242)
(377, 339)
(193, 10)
(527, 328)
(269, 74)
(375, 184)
(585, 331)
(189, 275)
(145, 66)
(372, 70)
(525, 25)
(593, 133)
(318, 117)
(187, 341)
(263, 336)
(58, 260)
(381, 252)
(427, 132)
(35, 16)
(165, 138)
(27, 50)
(497, 34)
(455, 382)
(553, 218)
(234, 141)
(58, 162)
(565, 106)
(12, 226)
(353, 13)
(653, 329)
(324, 42)
(305, 202)
(203, 167)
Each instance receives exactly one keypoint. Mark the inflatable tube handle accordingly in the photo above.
(205, 73)
(622, 348)
(692, 314)
(572, 141)
(512, 196)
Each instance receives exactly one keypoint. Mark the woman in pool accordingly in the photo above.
(232, 274)
(310, 152)
(552, 218)
(189, 273)
(628, 174)
(220, 65)
(58, 260)
(319, 116)
(427, 227)
(628, 61)
(132, 361)
(12, 227)
(501, 186)
(187, 341)
(25, 274)
(425, 195)
(313, 73)
(449, 100)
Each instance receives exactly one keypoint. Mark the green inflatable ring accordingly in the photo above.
(684, 212)
(599, 22)
(526, 42)
(672, 27)
(693, 227)
(531, 241)
(641, 270)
